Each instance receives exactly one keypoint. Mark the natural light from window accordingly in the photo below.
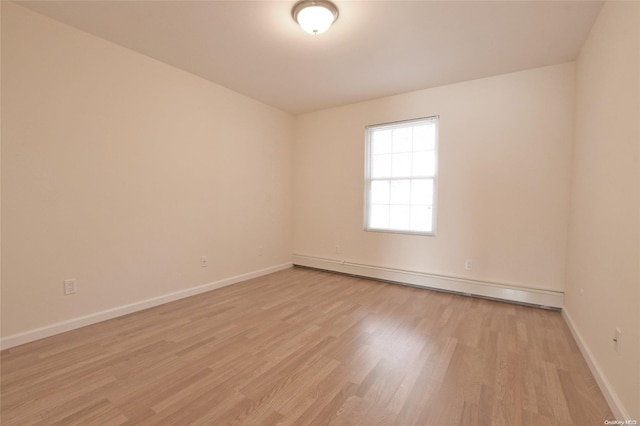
(401, 175)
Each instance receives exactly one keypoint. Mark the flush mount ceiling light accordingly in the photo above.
(315, 17)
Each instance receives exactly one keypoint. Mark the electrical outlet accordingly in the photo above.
(260, 251)
(336, 249)
(617, 340)
(70, 286)
(203, 262)
(468, 264)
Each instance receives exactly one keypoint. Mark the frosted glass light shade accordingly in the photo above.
(315, 17)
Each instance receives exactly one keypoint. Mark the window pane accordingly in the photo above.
(424, 163)
(381, 140)
(400, 192)
(380, 192)
(379, 216)
(401, 165)
(401, 176)
(422, 192)
(421, 218)
(399, 217)
(402, 139)
(381, 166)
(424, 137)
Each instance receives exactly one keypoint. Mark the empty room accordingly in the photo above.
(320, 212)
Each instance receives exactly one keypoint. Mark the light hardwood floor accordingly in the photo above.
(305, 347)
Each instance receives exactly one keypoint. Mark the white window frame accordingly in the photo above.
(368, 179)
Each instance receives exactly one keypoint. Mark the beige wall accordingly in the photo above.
(503, 195)
(604, 232)
(121, 171)
(0, 170)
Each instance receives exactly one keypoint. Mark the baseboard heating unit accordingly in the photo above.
(523, 295)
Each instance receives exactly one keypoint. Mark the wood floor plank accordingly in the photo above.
(306, 347)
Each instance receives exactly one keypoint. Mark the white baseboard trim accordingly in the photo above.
(610, 395)
(72, 324)
(530, 296)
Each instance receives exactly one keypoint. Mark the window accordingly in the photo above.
(401, 176)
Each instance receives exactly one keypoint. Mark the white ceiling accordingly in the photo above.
(375, 48)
